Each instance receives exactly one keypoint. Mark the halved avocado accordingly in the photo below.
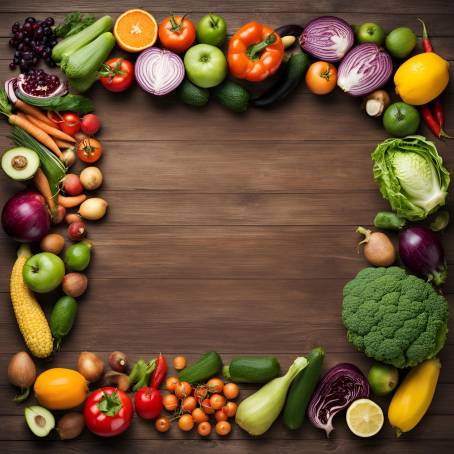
(20, 163)
(40, 420)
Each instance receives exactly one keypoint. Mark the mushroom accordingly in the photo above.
(376, 102)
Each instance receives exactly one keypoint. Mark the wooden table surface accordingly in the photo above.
(227, 232)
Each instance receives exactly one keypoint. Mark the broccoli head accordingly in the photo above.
(394, 317)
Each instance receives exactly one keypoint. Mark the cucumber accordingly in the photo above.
(301, 390)
(192, 94)
(252, 369)
(69, 45)
(84, 83)
(293, 74)
(89, 58)
(62, 318)
(203, 369)
(232, 96)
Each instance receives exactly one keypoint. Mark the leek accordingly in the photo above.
(257, 413)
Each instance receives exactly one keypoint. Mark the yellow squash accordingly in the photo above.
(60, 389)
(29, 315)
(421, 78)
(413, 397)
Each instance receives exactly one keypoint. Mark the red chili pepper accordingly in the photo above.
(438, 111)
(432, 122)
(159, 373)
(426, 44)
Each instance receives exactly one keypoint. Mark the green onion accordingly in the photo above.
(52, 166)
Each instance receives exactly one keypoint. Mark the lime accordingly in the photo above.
(400, 42)
(401, 119)
(364, 418)
(382, 379)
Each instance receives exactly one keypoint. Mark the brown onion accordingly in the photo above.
(75, 284)
(117, 379)
(91, 178)
(22, 373)
(91, 366)
(118, 361)
(53, 242)
(71, 425)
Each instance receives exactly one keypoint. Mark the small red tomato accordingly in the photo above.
(207, 408)
(217, 401)
(170, 402)
(148, 402)
(171, 382)
(231, 391)
(188, 404)
(108, 411)
(215, 385)
(89, 150)
(117, 74)
(200, 393)
(183, 389)
(198, 415)
(70, 124)
(90, 124)
(230, 409)
(177, 33)
(220, 416)
(162, 424)
(204, 429)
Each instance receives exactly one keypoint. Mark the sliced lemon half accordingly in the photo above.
(365, 418)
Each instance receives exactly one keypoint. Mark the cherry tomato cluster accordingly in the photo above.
(193, 406)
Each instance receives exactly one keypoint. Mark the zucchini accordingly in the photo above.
(69, 45)
(84, 83)
(301, 390)
(293, 74)
(62, 318)
(89, 58)
(203, 369)
(252, 369)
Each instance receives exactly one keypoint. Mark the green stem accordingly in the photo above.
(25, 392)
(176, 27)
(425, 34)
(255, 50)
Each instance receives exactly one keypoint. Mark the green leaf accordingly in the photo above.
(110, 404)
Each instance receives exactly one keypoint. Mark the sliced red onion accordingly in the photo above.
(159, 71)
(328, 38)
(10, 89)
(364, 69)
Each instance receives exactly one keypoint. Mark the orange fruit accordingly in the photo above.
(135, 30)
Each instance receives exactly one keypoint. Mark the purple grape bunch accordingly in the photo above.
(32, 40)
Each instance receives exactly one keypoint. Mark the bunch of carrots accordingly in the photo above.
(433, 117)
(39, 126)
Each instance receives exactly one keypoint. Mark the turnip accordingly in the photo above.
(378, 248)
(91, 178)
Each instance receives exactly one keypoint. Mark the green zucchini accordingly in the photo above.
(62, 318)
(203, 369)
(73, 43)
(301, 390)
(293, 74)
(89, 58)
(84, 83)
(252, 369)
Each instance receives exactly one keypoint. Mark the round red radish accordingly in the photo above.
(72, 184)
(77, 231)
(90, 124)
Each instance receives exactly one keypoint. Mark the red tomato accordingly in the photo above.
(321, 78)
(108, 411)
(118, 74)
(177, 33)
(70, 123)
(148, 402)
(89, 150)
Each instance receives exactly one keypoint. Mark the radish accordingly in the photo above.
(90, 124)
(72, 185)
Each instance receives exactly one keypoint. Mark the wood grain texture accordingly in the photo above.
(234, 233)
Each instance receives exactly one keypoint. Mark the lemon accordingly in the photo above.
(364, 418)
(421, 78)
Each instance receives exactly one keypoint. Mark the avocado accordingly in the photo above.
(193, 95)
(20, 163)
(39, 420)
(232, 95)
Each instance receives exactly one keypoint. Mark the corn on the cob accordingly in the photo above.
(29, 315)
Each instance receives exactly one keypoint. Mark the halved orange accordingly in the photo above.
(135, 30)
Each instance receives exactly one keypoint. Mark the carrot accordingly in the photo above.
(51, 130)
(71, 202)
(22, 121)
(33, 111)
(62, 144)
(42, 184)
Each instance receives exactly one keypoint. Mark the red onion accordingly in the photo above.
(364, 69)
(25, 217)
(159, 71)
(328, 38)
(340, 386)
(421, 251)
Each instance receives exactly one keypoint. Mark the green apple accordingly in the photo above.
(43, 272)
(205, 65)
(370, 32)
(211, 29)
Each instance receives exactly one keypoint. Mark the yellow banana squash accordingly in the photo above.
(413, 397)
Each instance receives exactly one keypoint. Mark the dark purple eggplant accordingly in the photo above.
(340, 386)
(289, 30)
(421, 251)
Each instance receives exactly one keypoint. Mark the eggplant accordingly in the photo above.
(289, 30)
(293, 74)
(421, 251)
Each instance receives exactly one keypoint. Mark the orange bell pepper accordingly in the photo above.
(255, 52)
